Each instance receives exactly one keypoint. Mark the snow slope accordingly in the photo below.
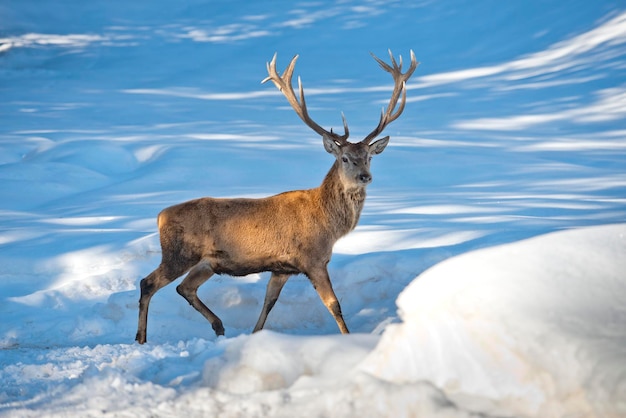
(514, 128)
(536, 325)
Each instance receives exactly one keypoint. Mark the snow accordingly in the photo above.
(485, 278)
(537, 325)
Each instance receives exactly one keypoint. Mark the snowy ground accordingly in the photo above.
(509, 163)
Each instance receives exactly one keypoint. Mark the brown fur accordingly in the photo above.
(244, 236)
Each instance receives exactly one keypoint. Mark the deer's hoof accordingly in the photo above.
(218, 328)
(141, 339)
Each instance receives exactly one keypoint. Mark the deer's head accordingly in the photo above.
(353, 158)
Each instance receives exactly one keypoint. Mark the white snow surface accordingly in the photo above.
(537, 325)
(486, 276)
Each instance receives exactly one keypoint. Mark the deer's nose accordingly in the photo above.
(365, 178)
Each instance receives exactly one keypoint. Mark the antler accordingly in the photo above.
(284, 85)
(399, 79)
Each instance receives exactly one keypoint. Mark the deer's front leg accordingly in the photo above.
(321, 282)
(274, 286)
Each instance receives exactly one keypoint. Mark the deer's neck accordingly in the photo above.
(342, 205)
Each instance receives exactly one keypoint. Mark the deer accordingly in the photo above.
(286, 234)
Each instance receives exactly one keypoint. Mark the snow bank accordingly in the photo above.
(268, 361)
(272, 374)
(533, 328)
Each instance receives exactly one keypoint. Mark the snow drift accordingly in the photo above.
(534, 328)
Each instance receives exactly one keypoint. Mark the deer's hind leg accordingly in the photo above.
(188, 289)
(149, 285)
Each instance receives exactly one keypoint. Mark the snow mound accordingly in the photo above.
(533, 328)
(269, 374)
(268, 360)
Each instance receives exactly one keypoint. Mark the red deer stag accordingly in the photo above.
(286, 234)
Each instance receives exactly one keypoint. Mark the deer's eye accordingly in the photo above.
(344, 159)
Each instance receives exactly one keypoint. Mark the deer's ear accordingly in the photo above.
(330, 145)
(379, 146)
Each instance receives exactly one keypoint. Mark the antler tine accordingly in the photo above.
(393, 61)
(391, 113)
(382, 63)
(345, 126)
(283, 82)
(271, 69)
